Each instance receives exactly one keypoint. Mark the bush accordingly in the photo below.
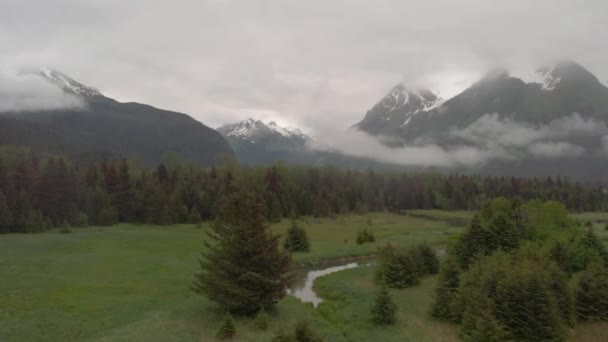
(227, 330)
(261, 320)
(81, 220)
(302, 332)
(296, 239)
(65, 228)
(588, 224)
(365, 236)
(281, 335)
(384, 309)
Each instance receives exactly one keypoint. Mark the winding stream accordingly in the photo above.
(302, 288)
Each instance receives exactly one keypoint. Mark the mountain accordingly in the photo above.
(530, 127)
(397, 109)
(105, 128)
(256, 142)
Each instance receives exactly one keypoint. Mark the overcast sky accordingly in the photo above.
(309, 63)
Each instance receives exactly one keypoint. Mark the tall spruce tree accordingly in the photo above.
(243, 269)
(384, 309)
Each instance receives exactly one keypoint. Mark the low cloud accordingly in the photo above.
(23, 92)
(491, 137)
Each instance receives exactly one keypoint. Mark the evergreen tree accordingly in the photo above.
(227, 330)
(281, 335)
(426, 259)
(195, 217)
(261, 320)
(446, 290)
(592, 294)
(243, 269)
(302, 332)
(296, 239)
(6, 217)
(384, 309)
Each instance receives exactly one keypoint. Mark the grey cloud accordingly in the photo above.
(29, 92)
(293, 61)
(555, 149)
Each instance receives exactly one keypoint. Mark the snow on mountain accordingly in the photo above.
(68, 84)
(399, 107)
(252, 129)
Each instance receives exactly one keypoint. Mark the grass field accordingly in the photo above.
(131, 283)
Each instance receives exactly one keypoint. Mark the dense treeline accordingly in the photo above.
(522, 272)
(37, 193)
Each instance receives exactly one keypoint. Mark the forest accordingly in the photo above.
(39, 192)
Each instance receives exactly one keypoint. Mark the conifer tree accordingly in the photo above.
(592, 294)
(243, 269)
(227, 330)
(6, 217)
(446, 290)
(384, 309)
(296, 239)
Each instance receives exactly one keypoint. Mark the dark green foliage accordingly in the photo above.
(517, 292)
(261, 320)
(281, 335)
(446, 290)
(365, 236)
(397, 269)
(588, 224)
(592, 294)
(587, 249)
(303, 332)
(426, 259)
(243, 269)
(81, 220)
(606, 226)
(384, 310)
(65, 228)
(195, 217)
(6, 216)
(296, 239)
(227, 330)
(121, 191)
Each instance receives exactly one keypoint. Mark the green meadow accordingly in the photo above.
(131, 283)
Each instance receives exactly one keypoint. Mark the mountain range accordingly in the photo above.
(554, 124)
(106, 128)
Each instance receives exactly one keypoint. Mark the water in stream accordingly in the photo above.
(302, 288)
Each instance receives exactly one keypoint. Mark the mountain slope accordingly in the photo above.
(107, 128)
(537, 127)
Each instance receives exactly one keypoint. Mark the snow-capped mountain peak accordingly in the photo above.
(400, 106)
(67, 83)
(252, 130)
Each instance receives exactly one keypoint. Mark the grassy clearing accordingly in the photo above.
(130, 283)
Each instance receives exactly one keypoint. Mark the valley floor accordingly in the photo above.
(131, 283)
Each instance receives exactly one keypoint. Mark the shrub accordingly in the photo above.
(261, 320)
(227, 330)
(588, 224)
(281, 335)
(302, 332)
(65, 228)
(365, 236)
(81, 220)
(384, 310)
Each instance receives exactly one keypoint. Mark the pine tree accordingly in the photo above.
(281, 335)
(592, 294)
(399, 271)
(302, 332)
(243, 269)
(227, 330)
(261, 320)
(445, 292)
(195, 217)
(384, 309)
(6, 217)
(296, 239)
